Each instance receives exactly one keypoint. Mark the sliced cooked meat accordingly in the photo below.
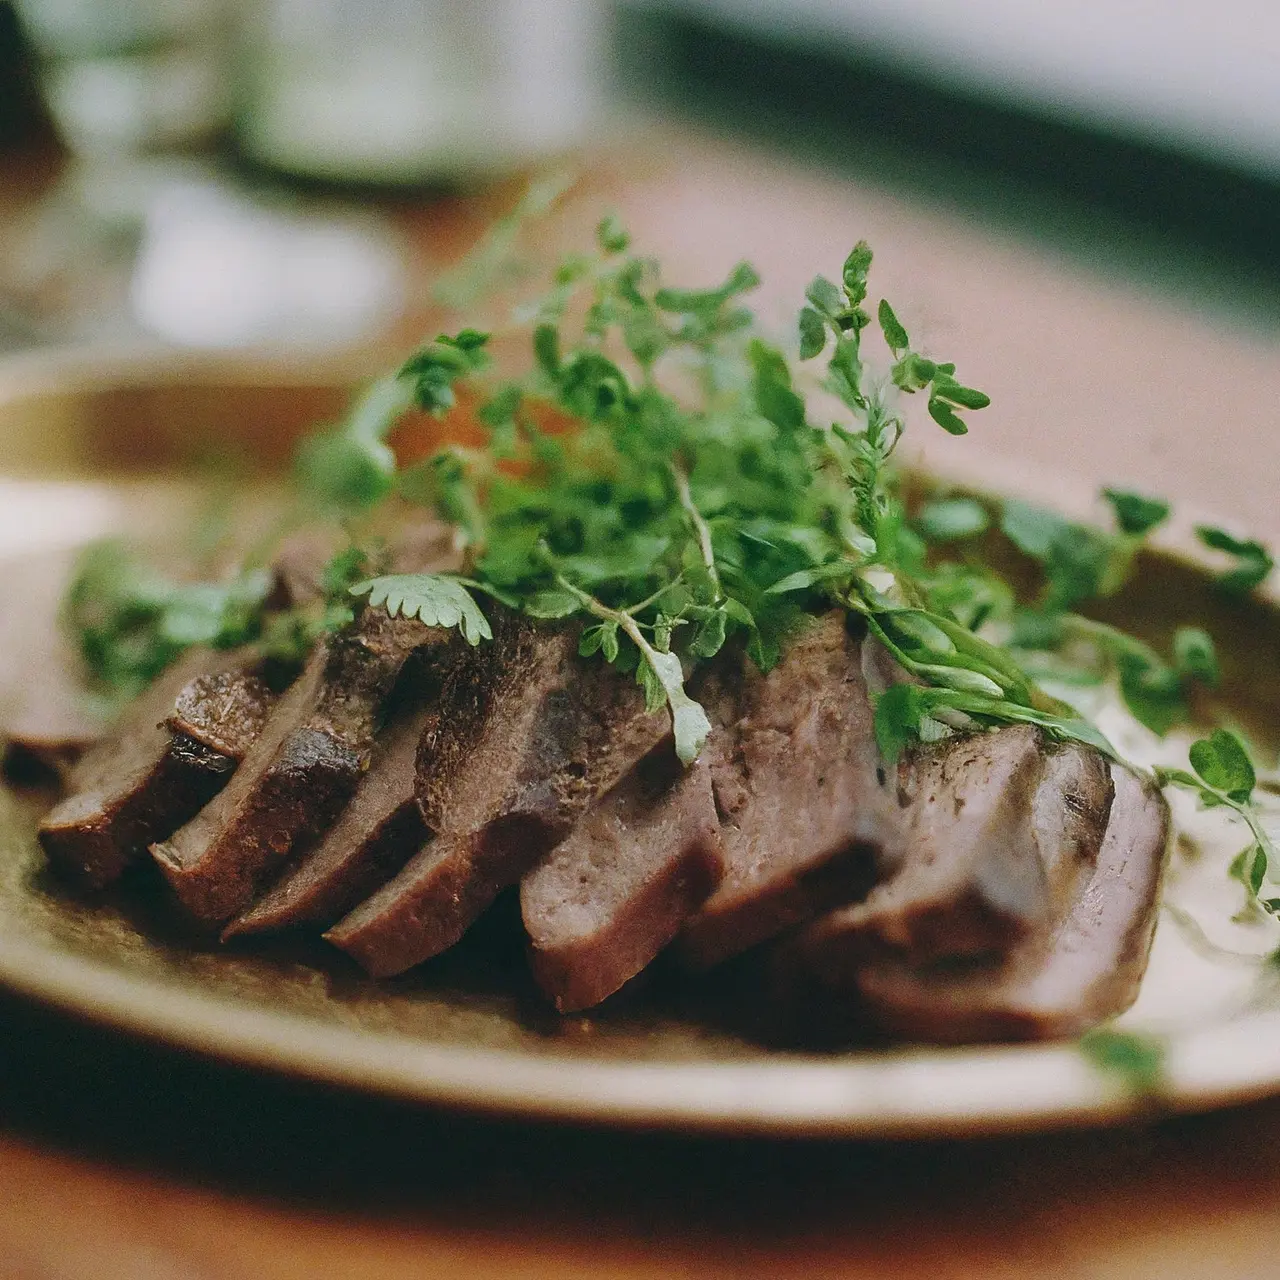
(1069, 815)
(971, 879)
(160, 765)
(297, 569)
(607, 899)
(222, 710)
(420, 545)
(375, 835)
(528, 735)
(1083, 968)
(44, 713)
(794, 771)
(299, 774)
(55, 723)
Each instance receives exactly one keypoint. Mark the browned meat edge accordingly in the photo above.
(377, 833)
(158, 767)
(611, 896)
(301, 772)
(528, 735)
(794, 771)
(971, 881)
(1081, 966)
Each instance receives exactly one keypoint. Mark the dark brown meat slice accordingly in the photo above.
(300, 773)
(297, 568)
(528, 735)
(159, 766)
(54, 727)
(44, 714)
(419, 545)
(375, 835)
(607, 899)
(794, 771)
(1084, 968)
(222, 710)
(971, 879)
(531, 733)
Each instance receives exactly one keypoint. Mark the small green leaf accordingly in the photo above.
(1257, 869)
(854, 274)
(771, 385)
(915, 633)
(710, 636)
(803, 579)
(1033, 530)
(1137, 1061)
(949, 519)
(825, 297)
(946, 418)
(501, 408)
(611, 235)
(609, 645)
(898, 714)
(965, 397)
(894, 334)
(552, 604)
(546, 348)
(961, 678)
(1154, 694)
(1136, 514)
(1254, 561)
(813, 334)
(1195, 656)
(1224, 764)
(345, 473)
(434, 599)
(688, 719)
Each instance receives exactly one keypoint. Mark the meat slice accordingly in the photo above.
(375, 835)
(1103, 849)
(1069, 815)
(299, 774)
(529, 734)
(971, 880)
(297, 568)
(169, 754)
(54, 727)
(793, 766)
(606, 900)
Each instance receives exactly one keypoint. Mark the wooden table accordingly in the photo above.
(124, 1160)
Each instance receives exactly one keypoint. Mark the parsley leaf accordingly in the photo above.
(1253, 561)
(434, 599)
(1135, 513)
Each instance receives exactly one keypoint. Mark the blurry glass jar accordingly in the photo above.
(125, 76)
(414, 91)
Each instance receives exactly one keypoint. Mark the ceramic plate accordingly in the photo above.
(89, 446)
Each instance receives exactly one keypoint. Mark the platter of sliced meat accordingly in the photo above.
(480, 876)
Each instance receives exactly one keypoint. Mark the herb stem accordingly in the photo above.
(625, 620)
(1112, 638)
(700, 527)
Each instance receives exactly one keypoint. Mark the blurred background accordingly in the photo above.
(225, 174)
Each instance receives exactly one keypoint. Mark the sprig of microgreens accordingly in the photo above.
(672, 521)
(1223, 776)
(1082, 563)
(130, 621)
